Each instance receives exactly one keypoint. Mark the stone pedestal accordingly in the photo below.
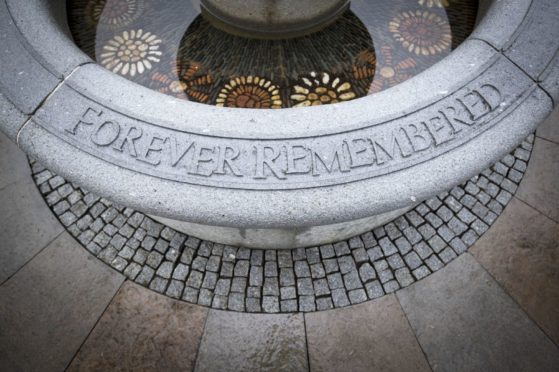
(274, 19)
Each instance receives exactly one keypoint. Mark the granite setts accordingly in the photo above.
(361, 268)
(323, 166)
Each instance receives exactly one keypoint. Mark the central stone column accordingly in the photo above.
(272, 19)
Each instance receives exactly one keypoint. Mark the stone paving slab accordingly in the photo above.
(49, 307)
(14, 165)
(253, 342)
(465, 322)
(374, 336)
(549, 129)
(27, 226)
(524, 259)
(142, 330)
(540, 187)
(11, 118)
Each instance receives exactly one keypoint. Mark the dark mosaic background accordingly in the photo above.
(307, 279)
(374, 46)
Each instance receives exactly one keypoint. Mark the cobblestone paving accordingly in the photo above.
(306, 279)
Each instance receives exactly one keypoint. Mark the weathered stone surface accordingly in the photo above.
(540, 187)
(499, 20)
(20, 68)
(27, 226)
(536, 36)
(11, 118)
(549, 129)
(369, 337)
(43, 26)
(520, 252)
(465, 322)
(49, 307)
(142, 330)
(13, 162)
(244, 342)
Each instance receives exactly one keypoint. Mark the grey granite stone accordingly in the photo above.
(498, 334)
(134, 316)
(236, 341)
(540, 187)
(522, 258)
(59, 306)
(366, 337)
(14, 166)
(27, 226)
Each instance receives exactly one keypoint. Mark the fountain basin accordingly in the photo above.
(326, 173)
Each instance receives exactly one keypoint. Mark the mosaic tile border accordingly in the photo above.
(349, 272)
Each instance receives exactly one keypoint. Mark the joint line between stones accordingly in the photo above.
(42, 103)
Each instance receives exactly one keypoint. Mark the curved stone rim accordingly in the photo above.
(266, 204)
(227, 277)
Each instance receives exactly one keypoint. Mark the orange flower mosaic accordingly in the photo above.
(421, 32)
(188, 82)
(391, 73)
(365, 65)
(321, 89)
(249, 92)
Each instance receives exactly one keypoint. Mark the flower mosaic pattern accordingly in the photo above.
(131, 53)
(184, 56)
(365, 65)
(321, 89)
(189, 82)
(391, 73)
(435, 3)
(421, 32)
(114, 13)
(249, 92)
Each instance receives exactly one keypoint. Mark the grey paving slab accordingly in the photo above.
(524, 258)
(11, 118)
(13, 163)
(253, 342)
(464, 321)
(27, 223)
(49, 307)
(374, 336)
(25, 82)
(550, 79)
(549, 129)
(540, 186)
(142, 330)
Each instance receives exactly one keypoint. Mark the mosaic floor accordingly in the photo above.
(167, 46)
(365, 267)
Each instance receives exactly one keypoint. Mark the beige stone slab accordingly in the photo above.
(13, 163)
(143, 331)
(374, 336)
(49, 307)
(464, 321)
(253, 342)
(549, 129)
(521, 251)
(27, 225)
(540, 186)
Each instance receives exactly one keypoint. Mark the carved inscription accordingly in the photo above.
(384, 146)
